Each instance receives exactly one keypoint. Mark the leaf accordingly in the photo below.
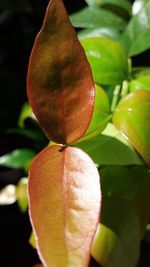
(26, 112)
(126, 5)
(21, 193)
(32, 240)
(97, 32)
(8, 195)
(137, 5)
(107, 59)
(132, 118)
(17, 159)
(90, 17)
(60, 98)
(143, 82)
(110, 148)
(131, 183)
(101, 115)
(117, 240)
(136, 38)
(64, 202)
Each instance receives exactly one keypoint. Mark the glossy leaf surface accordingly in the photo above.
(107, 59)
(101, 114)
(90, 17)
(18, 158)
(136, 38)
(97, 32)
(110, 148)
(143, 82)
(64, 201)
(117, 241)
(132, 118)
(60, 84)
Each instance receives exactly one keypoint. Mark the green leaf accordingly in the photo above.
(131, 183)
(140, 71)
(107, 59)
(32, 240)
(98, 32)
(143, 82)
(17, 158)
(8, 195)
(117, 241)
(136, 38)
(137, 5)
(26, 112)
(132, 118)
(101, 115)
(110, 148)
(125, 4)
(60, 97)
(91, 17)
(21, 193)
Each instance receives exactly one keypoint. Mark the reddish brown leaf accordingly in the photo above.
(60, 84)
(64, 201)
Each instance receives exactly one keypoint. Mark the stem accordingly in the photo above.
(115, 97)
(124, 90)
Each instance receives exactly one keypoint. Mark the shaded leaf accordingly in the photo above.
(18, 158)
(110, 148)
(8, 195)
(100, 116)
(64, 201)
(90, 17)
(117, 241)
(107, 59)
(131, 183)
(136, 38)
(126, 5)
(32, 240)
(143, 82)
(60, 98)
(132, 118)
(21, 193)
(26, 112)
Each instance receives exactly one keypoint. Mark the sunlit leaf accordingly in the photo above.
(8, 195)
(101, 115)
(21, 193)
(110, 148)
(92, 17)
(64, 202)
(107, 59)
(60, 84)
(18, 158)
(136, 38)
(143, 82)
(132, 118)
(97, 32)
(117, 241)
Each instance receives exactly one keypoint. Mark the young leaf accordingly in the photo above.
(60, 84)
(136, 38)
(132, 118)
(107, 59)
(110, 148)
(64, 202)
(117, 241)
(92, 17)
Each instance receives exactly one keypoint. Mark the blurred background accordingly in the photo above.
(20, 20)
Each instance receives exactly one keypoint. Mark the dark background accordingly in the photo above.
(20, 21)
